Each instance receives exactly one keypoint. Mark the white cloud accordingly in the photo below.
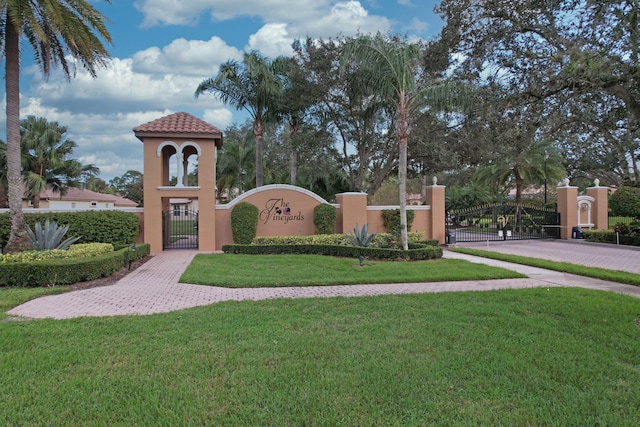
(284, 19)
(344, 18)
(188, 57)
(188, 12)
(272, 40)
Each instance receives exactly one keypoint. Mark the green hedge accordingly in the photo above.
(337, 239)
(68, 271)
(415, 252)
(115, 227)
(608, 236)
(244, 222)
(324, 218)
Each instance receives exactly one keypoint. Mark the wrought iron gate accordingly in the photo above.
(506, 221)
(180, 229)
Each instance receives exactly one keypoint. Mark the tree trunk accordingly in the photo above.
(258, 131)
(402, 178)
(294, 166)
(18, 238)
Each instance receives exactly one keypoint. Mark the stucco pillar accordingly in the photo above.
(600, 210)
(435, 198)
(352, 211)
(567, 208)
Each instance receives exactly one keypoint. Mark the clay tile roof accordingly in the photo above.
(179, 125)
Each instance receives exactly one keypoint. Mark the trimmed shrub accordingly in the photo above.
(244, 223)
(75, 251)
(416, 252)
(108, 226)
(324, 218)
(391, 220)
(69, 270)
(625, 202)
(380, 241)
(609, 236)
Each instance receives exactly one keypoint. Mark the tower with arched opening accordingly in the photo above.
(179, 182)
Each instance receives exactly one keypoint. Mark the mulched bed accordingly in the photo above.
(110, 280)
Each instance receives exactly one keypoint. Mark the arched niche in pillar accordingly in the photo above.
(178, 160)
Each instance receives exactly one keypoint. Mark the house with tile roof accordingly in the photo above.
(79, 199)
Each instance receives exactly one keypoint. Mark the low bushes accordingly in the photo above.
(382, 240)
(417, 251)
(81, 250)
(67, 271)
(609, 236)
(623, 233)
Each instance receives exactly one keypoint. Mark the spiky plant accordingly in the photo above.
(50, 236)
(361, 237)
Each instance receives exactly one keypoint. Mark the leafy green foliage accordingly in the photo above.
(380, 241)
(415, 251)
(69, 270)
(50, 236)
(244, 223)
(324, 218)
(625, 202)
(360, 237)
(115, 227)
(75, 251)
(391, 220)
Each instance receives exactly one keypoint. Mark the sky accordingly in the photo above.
(162, 50)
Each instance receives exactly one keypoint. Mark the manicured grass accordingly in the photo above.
(247, 271)
(184, 227)
(581, 270)
(557, 356)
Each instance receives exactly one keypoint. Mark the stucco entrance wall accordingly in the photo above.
(286, 210)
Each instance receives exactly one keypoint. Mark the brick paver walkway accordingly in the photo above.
(624, 258)
(154, 288)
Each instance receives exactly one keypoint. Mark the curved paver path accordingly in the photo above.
(154, 288)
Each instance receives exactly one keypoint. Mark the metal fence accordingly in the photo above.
(504, 221)
(180, 230)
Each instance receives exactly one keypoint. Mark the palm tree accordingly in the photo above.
(255, 86)
(520, 165)
(45, 162)
(54, 29)
(392, 69)
(236, 167)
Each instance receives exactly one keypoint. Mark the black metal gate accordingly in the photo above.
(505, 221)
(180, 229)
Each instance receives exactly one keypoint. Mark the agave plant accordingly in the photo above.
(50, 236)
(361, 237)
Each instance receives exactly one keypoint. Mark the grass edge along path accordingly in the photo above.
(252, 271)
(617, 276)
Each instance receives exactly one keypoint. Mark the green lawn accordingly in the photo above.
(248, 271)
(552, 356)
(184, 227)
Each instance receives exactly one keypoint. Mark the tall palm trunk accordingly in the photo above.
(403, 130)
(18, 238)
(258, 131)
(293, 171)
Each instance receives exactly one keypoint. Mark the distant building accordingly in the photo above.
(77, 198)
